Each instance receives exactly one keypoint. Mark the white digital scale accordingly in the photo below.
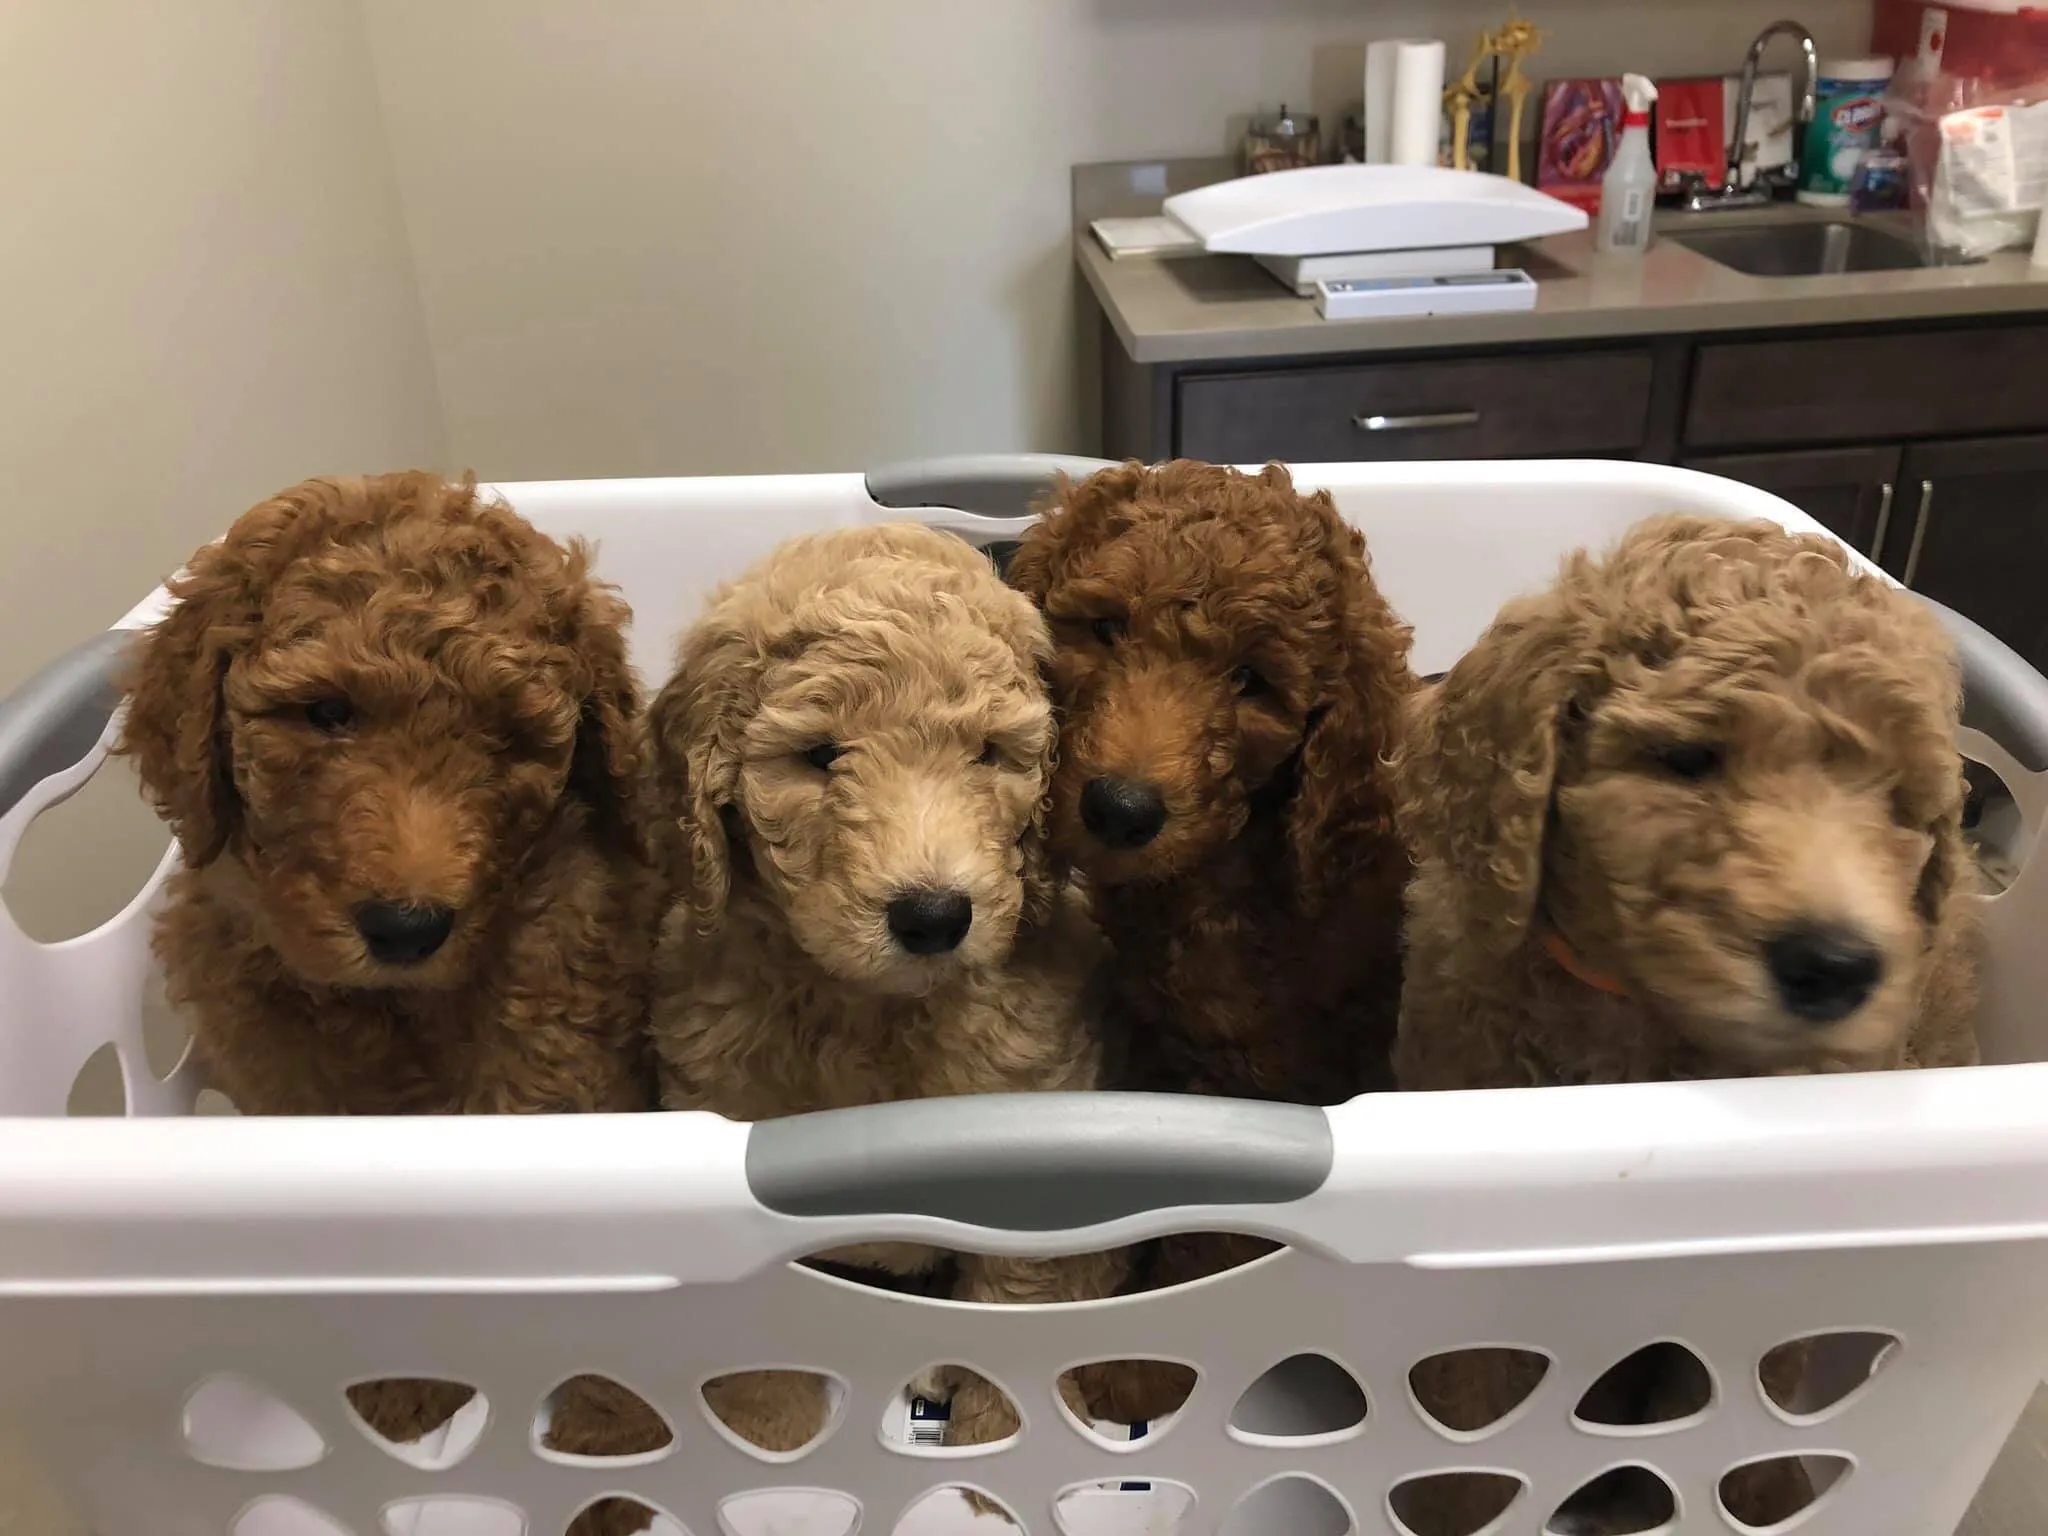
(1363, 240)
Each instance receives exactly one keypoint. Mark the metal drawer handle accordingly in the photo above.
(1428, 421)
(1884, 522)
(1919, 533)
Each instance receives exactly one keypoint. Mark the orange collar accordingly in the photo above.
(1569, 962)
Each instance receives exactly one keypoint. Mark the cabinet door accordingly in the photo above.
(1971, 530)
(1849, 491)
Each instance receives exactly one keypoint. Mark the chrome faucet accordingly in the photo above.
(1735, 194)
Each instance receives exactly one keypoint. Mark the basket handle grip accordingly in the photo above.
(53, 721)
(1026, 1162)
(1001, 485)
(2003, 696)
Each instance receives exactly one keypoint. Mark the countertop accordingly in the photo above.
(1221, 308)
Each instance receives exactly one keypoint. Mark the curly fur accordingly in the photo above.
(487, 766)
(1537, 799)
(1539, 788)
(1219, 635)
(779, 988)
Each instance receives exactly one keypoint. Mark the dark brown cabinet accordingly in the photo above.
(1971, 531)
(1870, 388)
(1965, 521)
(1881, 432)
(1852, 492)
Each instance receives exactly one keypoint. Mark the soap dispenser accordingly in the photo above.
(1629, 191)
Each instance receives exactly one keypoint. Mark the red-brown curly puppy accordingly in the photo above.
(848, 770)
(391, 727)
(1229, 682)
(1696, 811)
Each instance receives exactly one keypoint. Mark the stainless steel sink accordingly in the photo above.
(1804, 250)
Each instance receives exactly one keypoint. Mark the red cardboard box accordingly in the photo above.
(1692, 132)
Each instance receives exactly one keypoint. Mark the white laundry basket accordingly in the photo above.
(183, 1300)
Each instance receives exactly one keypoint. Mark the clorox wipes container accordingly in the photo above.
(1848, 112)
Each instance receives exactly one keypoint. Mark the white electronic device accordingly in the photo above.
(1459, 293)
(1302, 273)
(1325, 210)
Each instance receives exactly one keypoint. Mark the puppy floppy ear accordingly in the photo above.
(1343, 802)
(1475, 774)
(176, 728)
(693, 771)
(604, 765)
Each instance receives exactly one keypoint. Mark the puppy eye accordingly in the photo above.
(824, 755)
(1110, 630)
(1690, 760)
(330, 715)
(989, 756)
(1250, 682)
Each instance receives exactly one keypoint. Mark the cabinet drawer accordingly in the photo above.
(1471, 408)
(1867, 388)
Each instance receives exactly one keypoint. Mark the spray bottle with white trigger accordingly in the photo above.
(1628, 194)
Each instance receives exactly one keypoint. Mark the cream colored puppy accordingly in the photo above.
(849, 772)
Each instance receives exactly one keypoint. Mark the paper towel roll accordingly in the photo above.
(1418, 102)
(1379, 100)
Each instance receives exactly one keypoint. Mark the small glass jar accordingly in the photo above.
(1285, 141)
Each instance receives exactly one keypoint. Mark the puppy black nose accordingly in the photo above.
(400, 934)
(1122, 813)
(1823, 972)
(931, 922)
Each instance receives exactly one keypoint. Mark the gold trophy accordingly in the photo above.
(1513, 42)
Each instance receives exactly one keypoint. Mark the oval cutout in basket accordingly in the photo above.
(1121, 1404)
(956, 1509)
(1453, 1503)
(1122, 1506)
(1467, 1392)
(1762, 1495)
(1293, 1503)
(1629, 1500)
(1304, 1398)
(593, 1419)
(423, 1421)
(773, 1412)
(616, 1514)
(240, 1425)
(1652, 1390)
(278, 1514)
(449, 1512)
(950, 1407)
(1817, 1375)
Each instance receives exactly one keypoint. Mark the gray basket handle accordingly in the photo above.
(2003, 697)
(52, 721)
(1038, 1162)
(991, 485)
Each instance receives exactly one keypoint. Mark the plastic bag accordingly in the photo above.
(1978, 157)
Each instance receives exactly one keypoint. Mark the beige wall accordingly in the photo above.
(205, 291)
(696, 236)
